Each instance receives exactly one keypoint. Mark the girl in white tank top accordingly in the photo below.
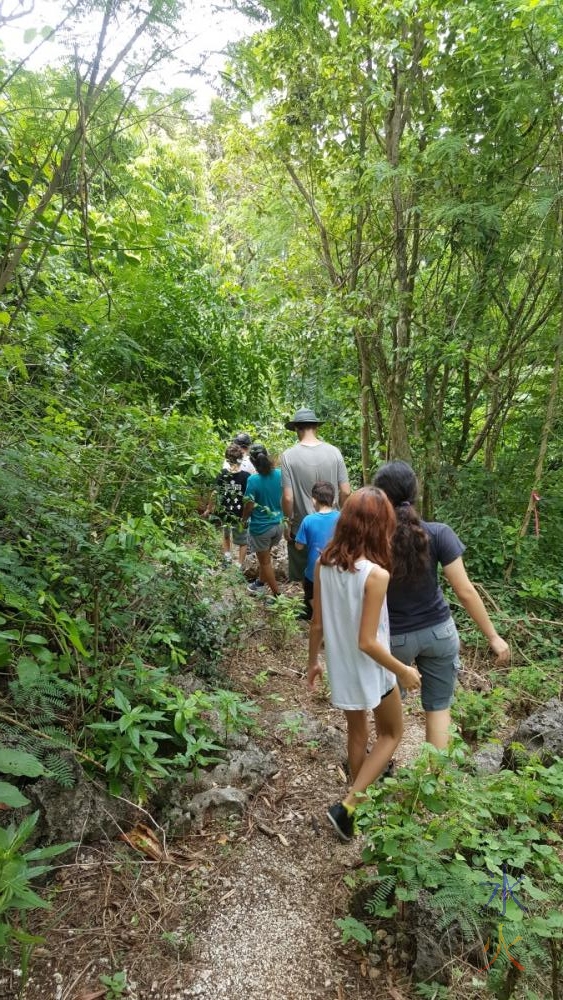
(350, 613)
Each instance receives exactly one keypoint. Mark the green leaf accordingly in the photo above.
(354, 930)
(121, 701)
(11, 796)
(19, 762)
(29, 34)
(41, 853)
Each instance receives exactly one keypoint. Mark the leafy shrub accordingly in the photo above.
(479, 714)
(172, 733)
(437, 828)
(17, 871)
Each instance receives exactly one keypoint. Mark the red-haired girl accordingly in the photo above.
(350, 612)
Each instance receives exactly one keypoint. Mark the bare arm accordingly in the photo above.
(315, 632)
(458, 579)
(374, 594)
(247, 509)
(287, 502)
(343, 493)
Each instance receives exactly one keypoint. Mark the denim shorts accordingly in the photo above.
(435, 650)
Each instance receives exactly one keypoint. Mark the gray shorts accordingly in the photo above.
(238, 534)
(266, 539)
(435, 650)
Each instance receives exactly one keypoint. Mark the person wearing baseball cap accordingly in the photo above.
(244, 441)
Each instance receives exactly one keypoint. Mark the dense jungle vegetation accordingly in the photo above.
(369, 221)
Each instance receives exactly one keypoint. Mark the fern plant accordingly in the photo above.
(439, 830)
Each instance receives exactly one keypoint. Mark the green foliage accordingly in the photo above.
(437, 829)
(116, 985)
(479, 714)
(284, 614)
(171, 734)
(354, 930)
(17, 872)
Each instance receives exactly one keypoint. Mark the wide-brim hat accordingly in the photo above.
(303, 416)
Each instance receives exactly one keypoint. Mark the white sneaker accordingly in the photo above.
(255, 588)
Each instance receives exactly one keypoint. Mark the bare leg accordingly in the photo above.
(357, 740)
(226, 541)
(437, 728)
(389, 727)
(267, 571)
(242, 554)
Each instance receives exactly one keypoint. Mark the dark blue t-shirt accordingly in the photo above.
(419, 603)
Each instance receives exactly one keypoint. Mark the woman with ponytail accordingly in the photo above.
(350, 615)
(422, 628)
(263, 507)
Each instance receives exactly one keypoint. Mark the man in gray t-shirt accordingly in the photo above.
(309, 461)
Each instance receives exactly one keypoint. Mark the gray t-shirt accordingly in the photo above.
(304, 465)
(420, 603)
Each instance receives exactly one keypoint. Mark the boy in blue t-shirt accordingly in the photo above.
(316, 531)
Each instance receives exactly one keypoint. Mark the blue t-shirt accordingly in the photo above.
(316, 531)
(420, 603)
(266, 492)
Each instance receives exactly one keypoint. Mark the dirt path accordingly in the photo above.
(273, 934)
(243, 909)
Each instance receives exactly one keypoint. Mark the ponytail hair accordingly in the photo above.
(261, 460)
(411, 546)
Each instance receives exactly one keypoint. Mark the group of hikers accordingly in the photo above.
(368, 565)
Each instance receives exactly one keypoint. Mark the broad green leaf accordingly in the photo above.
(11, 796)
(19, 762)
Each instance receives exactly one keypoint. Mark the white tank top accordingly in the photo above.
(356, 681)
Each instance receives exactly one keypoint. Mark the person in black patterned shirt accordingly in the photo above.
(229, 490)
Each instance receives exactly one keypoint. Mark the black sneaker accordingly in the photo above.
(342, 822)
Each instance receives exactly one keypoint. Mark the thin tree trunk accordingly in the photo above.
(547, 428)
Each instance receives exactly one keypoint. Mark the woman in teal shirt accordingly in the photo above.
(263, 506)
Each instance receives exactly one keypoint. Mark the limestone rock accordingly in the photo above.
(223, 801)
(488, 759)
(541, 733)
(83, 813)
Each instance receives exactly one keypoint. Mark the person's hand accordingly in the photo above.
(315, 671)
(501, 649)
(409, 679)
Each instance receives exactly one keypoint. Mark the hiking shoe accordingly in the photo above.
(255, 588)
(227, 558)
(342, 822)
